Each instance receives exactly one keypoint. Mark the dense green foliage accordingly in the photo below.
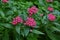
(44, 30)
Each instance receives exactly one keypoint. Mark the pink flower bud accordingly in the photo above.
(50, 9)
(14, 22)
(51, 17)
(49, 0)
(30, 22)
(17, 20)
(5, 1)
(32, 10)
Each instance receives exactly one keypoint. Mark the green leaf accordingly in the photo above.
(18, 29)
(56, 12)
(37, 32)
(56, 29)
(57, 25)
(44, 20)
(2, 14)
(7, 25)
(6, 36)
(26, 31)
(53, 33)
(36, 27)
(32, 37)
(14, 9)
(41, 2)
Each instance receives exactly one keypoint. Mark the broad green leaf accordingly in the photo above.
(6, 36)
(53, 33)
(26, 31)
(57, 25)
(56, 12)
(41, 2)
(14, 9)
(18, 29)
(7, 25)
(36, 27)
(2, 14)
(56, 29)
(23, 14)
(44, 20)
(32, 37)
(37, 32)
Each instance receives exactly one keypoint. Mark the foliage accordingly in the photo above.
(44, 29)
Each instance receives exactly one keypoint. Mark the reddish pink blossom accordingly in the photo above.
(17, 20)
(50, 9)
(49, 0)
(14, 22)
(32, 10)
(5, 1)
(51, 17)
(30, 22)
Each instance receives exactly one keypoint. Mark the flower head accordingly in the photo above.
(14, 22)
(30, 22)
(17, 20)
(5, 1)
(51, 17)
(49, 0)
(50, 9)
(32, 10)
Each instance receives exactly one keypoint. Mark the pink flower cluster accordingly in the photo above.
(51, 17)
(5, 1)
(50, 9)
(32, 10)
(49, 0)
(30, 22)
(17, 20)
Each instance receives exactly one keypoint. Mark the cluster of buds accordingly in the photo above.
(30, 22)
(17, 20)
(51, 17)
(50, 9)
(5, 1)
(49, 0)
(32, 10)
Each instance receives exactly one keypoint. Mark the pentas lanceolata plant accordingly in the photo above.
(30, 21)
(27, 20)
